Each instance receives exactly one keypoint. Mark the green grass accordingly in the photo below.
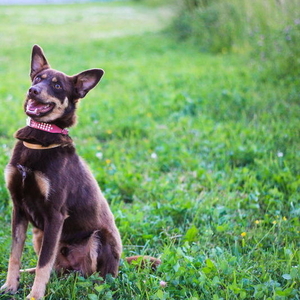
(198, 154)
(269, 29)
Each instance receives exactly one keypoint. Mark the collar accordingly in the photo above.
(39, 147)
(46, 127)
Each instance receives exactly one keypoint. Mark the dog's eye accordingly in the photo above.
(37, 79)
(57, 86)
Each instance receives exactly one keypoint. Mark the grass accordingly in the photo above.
(198, 154)
(269, 29)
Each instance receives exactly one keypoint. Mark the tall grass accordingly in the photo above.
(269, 28)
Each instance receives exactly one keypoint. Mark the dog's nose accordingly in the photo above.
(33, 91)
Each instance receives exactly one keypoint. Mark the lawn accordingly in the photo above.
(197, 153)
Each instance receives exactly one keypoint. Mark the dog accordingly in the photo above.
(52, 188)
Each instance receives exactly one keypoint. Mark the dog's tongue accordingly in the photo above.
(35, 108)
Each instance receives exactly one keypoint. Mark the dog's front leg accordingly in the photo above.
(19, 228)
(48, 253)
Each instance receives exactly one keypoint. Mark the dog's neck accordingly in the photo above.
(44, 134)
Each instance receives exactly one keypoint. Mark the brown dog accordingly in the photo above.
(52, 188)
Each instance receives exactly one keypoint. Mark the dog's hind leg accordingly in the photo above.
(81, 257)
(37, 244)
(89, 264)
(110, 249)
(37, 239)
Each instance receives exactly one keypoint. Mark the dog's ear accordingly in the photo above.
(86, 80)
(38, 61)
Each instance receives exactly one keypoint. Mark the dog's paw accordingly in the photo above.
(9, 288)
(31, 297)
(35, 295)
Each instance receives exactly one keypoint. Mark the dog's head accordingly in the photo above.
(53, 95)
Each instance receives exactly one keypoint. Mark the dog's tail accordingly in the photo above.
(30, 270)
(144, 260)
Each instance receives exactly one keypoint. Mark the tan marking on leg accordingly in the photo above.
(12, 280)
(13, 273)
(43, 183)
(37, 239)
(93, 246)
(9, 172)
(42, 276)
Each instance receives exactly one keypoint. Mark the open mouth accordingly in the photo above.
(36, 108)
